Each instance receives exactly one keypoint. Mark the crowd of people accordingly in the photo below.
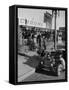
(36, 39)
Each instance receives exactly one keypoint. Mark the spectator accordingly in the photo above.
(62, 61)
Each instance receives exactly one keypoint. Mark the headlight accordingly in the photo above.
(41, 62)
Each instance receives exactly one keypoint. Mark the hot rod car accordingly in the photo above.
(51, 61)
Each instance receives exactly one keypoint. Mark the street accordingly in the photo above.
(44, 76)
(30, 60)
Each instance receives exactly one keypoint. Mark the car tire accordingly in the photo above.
(59, 69)
(38, 68)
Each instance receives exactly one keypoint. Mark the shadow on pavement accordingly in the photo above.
(22, 54)
(32, 61)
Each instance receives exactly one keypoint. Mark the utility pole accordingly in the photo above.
(55, 43)
(54, 12)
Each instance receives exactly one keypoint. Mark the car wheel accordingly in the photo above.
(59, 69)
(38, 67)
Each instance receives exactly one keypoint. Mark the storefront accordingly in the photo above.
(61, 35)
(25, 27)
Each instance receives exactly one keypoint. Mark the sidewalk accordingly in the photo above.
(23, 70)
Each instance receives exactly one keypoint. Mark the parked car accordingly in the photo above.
(51, 61)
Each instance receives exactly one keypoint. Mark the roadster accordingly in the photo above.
(51, 61)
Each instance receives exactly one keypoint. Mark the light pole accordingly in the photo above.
(55, 12)
(55, 44)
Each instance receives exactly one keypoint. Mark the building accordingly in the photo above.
(30, 19)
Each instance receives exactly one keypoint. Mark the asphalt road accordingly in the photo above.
(44, 76)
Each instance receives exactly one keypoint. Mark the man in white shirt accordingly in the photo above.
(62, 61)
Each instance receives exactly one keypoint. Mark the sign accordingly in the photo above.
(27, 22)
(47, 17)
(48, 20)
